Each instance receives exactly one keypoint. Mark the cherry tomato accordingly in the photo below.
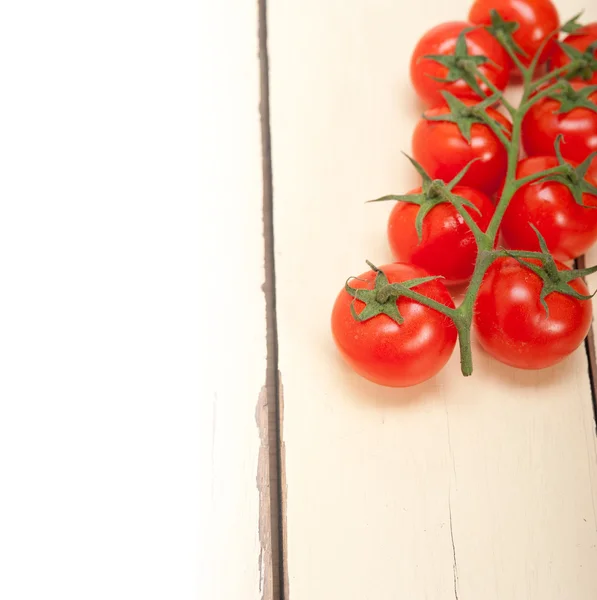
(512, 325)
(543, 123)
(442, 40)
(447, 246)
(537, 19)
(580, 39)
(385, 352)
(441, 149)
(568, 228)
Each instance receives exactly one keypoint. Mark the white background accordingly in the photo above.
(102, 248)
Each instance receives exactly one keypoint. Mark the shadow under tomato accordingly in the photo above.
(362, 391)
(415, 107)
(515, 378)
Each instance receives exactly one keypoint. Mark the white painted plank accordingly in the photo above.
(236, 561)
(132, 344)
(482, 487)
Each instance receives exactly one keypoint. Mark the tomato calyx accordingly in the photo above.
(572, 25)
(461, 64)
(503, 31)
(553, 280)
(582, 64)
(382, 298)
(569, 98)
(573, 178)
(434, 192)
(464, 116)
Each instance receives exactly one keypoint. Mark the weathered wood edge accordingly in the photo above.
(581, 263)
(272, 522)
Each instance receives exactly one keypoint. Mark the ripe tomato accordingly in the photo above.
(387, 353)
(442, 40)
(447, 246)
(537, 19)
(568, 228)
(542, 125)
(441, 149)
(580, 39)
(512, 325)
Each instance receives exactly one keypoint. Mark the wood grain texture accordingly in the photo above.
(236, 561)
(458, 488)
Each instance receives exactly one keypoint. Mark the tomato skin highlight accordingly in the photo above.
(542, 125)
(580, 39)
(443, 152)
(387, 353)
(512, 326)
(447, 246)
(442, 40)
(537, 19)
(568, 228)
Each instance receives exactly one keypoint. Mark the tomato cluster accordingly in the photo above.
(506, 194)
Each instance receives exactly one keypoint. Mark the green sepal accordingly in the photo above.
(460, 64)
(573, 178)
(462, 115)
(412, 198)
(553, 279)
(382, 298)
(572, 25)
(503, 31)
(434, 192)
(458, 178)
(569, 98)
(420, 170)
(586, 61)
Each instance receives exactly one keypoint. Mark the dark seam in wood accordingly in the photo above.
(283, 494)
(591, 355)
(272, 374)
(454, 561)
(267, 571)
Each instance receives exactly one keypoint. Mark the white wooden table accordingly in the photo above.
(153, 319)
(458, 488)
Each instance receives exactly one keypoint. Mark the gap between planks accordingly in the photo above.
(590, 351)
(273, 390)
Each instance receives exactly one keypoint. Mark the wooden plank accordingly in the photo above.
(237, 561)
(458, 488)
(133, 348)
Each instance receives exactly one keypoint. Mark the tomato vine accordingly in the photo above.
(460, 65)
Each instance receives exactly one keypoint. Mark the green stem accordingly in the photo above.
(524, 108)
(561, 169)
(485, 243)
(495, 127)
(510, 182)
(504, 42)
(397, 289)
(550, 76)
(464, 318)
(454, 201)
(490, 85)
(517, 253)
(466, 353)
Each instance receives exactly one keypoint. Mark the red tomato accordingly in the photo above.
(537, 19)
(542, 125)
(580, 39)
(387, 353)
(442, 40)
(442, 150)
(447, 246)
(568, 228)
(511, 322)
